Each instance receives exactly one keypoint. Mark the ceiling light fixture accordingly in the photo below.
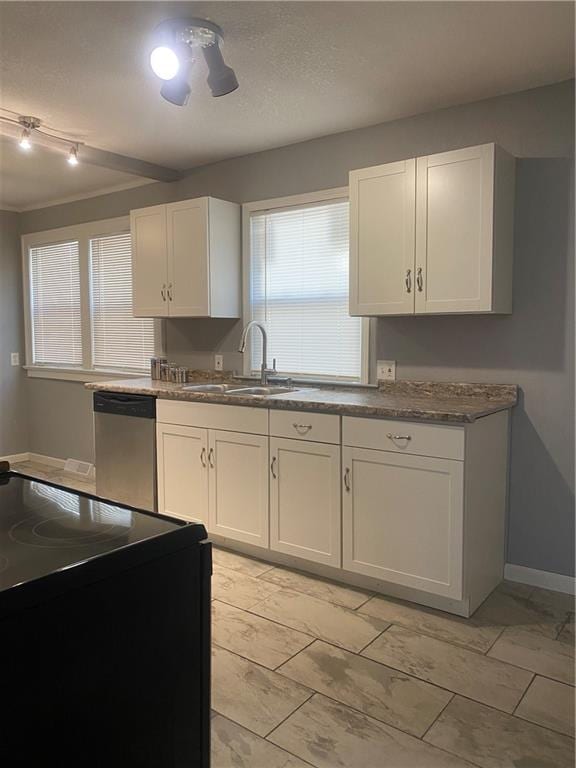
(73, 155)
(173, 56)
(25, 142)
(28, 125)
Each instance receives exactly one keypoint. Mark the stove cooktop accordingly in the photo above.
(44, 529)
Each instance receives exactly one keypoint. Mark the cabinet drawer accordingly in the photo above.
(233, 418)
(317, 427)
(443, 441)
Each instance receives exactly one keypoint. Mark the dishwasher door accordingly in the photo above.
(125, 438)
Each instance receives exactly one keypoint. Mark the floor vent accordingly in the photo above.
(80, 469)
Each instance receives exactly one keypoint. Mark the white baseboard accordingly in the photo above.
(50, 461)
(545, 579)
(14, 457)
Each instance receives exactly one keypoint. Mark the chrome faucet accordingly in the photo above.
(265, 372)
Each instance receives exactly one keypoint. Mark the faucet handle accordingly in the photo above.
(274, 365)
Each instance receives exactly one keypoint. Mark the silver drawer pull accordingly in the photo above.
(211, 458)
(203, 457)
(390, 436)
(272, 467)
(302, 429)
(347, 479)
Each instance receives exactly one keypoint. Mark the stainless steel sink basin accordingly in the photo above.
(261, 391)
(209, 387)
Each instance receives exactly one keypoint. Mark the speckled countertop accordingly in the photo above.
(419, 401)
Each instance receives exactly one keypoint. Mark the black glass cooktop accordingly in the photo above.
(44, 529)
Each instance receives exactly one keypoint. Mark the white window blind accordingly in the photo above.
(119, 341)
(299, 291)
(56, 325)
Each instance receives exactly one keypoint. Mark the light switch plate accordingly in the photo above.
(386, 370)
(14, 358)
(218, 362)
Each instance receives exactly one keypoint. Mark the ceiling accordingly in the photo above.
(306, 69)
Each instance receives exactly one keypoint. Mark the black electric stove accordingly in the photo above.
(105, 625)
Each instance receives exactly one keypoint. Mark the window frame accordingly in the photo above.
(82, 233)
(275, 204)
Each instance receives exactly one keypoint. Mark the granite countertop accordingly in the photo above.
(419, 401)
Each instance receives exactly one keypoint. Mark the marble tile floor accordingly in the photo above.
(307, 672)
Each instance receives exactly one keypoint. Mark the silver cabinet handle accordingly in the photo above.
(203, 457)
(211, 458)
(419, 280)
(169, 291)
(272, 466)
(163, 292)
(408, 281)
(302, 429)
(347, 479)
(390, 436)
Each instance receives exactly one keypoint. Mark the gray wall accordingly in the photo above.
(13, 420)
(533, 347)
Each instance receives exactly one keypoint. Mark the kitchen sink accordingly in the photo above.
(209, 387)
(261, 391)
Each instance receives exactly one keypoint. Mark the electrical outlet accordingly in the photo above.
(386, 370)
(14, 358)
(218, 363)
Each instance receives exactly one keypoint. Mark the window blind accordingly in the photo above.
(55, 304)
(299, 291)
(119, 340)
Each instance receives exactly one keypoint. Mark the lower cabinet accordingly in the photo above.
(238, 486)
(403, 519)
(182, 457)
(305, 500)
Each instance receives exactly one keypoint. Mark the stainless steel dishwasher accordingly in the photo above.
(125, 437)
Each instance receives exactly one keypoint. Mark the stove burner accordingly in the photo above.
(66, 532)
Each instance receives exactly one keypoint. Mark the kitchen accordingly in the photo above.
(385, 471)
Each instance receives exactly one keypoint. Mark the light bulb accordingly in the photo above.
(73, 156)
(164, 63)
(25, 139)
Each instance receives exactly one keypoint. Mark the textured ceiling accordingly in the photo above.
(305, 69)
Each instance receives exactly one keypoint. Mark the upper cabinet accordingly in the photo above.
(186, 259)
(433, 235)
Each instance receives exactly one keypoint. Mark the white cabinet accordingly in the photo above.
(305, 499)
(403, 519)
(238, 488)
(182, 456)
(382, 239)
(186, 259)
(433, 235)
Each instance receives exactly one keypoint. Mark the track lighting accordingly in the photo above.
(25, 142)
(73, 155)
(174, 54)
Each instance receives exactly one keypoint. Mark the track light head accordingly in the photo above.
(171, 59)
(28, 125)
(25, 142)
(73, 156)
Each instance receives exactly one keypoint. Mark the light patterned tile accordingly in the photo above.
(457, 669)
(251, 695)
(492, 739)
(454, 629)
(330, 735)
(236, 562)
(347, 597)
(537, 653)
(321, 619)
(238, 589)
(393, 697)
(550, 704)
(522, 606)
(236, 747)
(254, 637)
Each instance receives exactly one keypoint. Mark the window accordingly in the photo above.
(298, 289)
(79, 293)
(119, 341)
(55, 305)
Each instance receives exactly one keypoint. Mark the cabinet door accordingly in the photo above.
(454, 231)
(305, 500)
(238, 488)
(382, 212)
(182, 458)
(402, 519)
(149, 264)
(188, 273)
